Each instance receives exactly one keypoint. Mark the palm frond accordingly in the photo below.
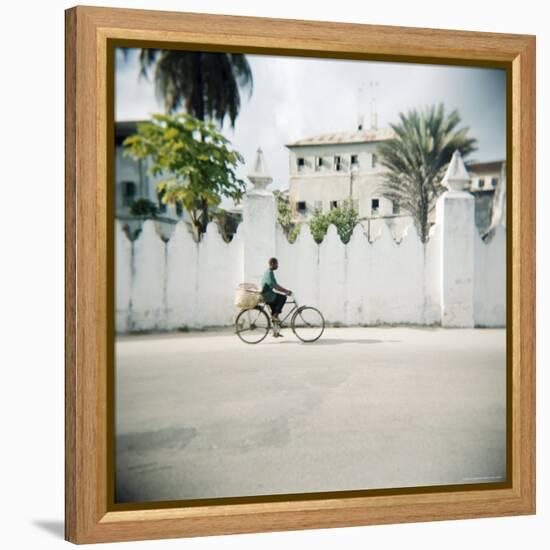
(206, 84)
(416, 159)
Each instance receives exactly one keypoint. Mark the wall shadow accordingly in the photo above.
(53, 527)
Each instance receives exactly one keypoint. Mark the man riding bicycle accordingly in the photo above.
(274, 294)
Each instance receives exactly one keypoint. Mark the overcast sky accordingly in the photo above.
(294, 98)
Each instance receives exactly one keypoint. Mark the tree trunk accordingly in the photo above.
(197, 228)
(199, 107)
(195, 222)
(204, 215)
(423, 219)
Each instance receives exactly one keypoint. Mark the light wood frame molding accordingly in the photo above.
(89, 517)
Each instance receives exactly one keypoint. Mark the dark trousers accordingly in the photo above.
(277, 304)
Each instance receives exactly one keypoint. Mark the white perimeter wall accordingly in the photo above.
(183, 284)
(490, 280)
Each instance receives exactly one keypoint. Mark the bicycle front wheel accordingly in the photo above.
(308, 324)
(252, 325)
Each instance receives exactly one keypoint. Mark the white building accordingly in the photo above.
(488, 182)
(327, 169)
(133, 182)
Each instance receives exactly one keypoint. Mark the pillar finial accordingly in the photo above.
(260, 177)
(456, 177)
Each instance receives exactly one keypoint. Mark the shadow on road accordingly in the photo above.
(332, 341)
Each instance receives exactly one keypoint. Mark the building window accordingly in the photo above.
(374, 161)
(395, 208)
(162, 206)
(129, 190)
(338, 163)
(318, 205)
(301, 207)
(319, 163)
(179, 209)
(355, 160)
(301, 163)
(480, 183)
(494, 182)
(375, 206)
(333, 205)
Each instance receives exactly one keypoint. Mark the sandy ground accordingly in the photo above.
(202, 415)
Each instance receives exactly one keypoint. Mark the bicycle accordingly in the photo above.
(252, 325)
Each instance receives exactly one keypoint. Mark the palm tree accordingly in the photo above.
(206, 84)
(417, 157)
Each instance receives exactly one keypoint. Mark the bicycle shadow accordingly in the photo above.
(334, 341)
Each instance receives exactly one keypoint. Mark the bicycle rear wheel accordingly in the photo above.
(252, 325)
(308, 324)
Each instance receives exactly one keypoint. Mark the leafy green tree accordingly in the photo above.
(344, 217)
(417, 157)
(293, 233)
(144, 208)
(206, 84)
(284, 216)
(318, 225)
(194, 160)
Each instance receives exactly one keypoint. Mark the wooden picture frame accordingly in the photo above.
(90, 33)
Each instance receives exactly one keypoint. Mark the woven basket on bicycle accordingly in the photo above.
(247, 296)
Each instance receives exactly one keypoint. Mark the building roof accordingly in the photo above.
(481, 167)
(357, 136)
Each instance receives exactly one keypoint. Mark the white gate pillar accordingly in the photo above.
(455, 212)
(259, 223)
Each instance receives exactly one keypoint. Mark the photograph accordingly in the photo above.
(310, 276)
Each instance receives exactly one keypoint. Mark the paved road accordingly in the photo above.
(202, 415)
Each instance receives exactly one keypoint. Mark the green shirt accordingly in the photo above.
(268, 284)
